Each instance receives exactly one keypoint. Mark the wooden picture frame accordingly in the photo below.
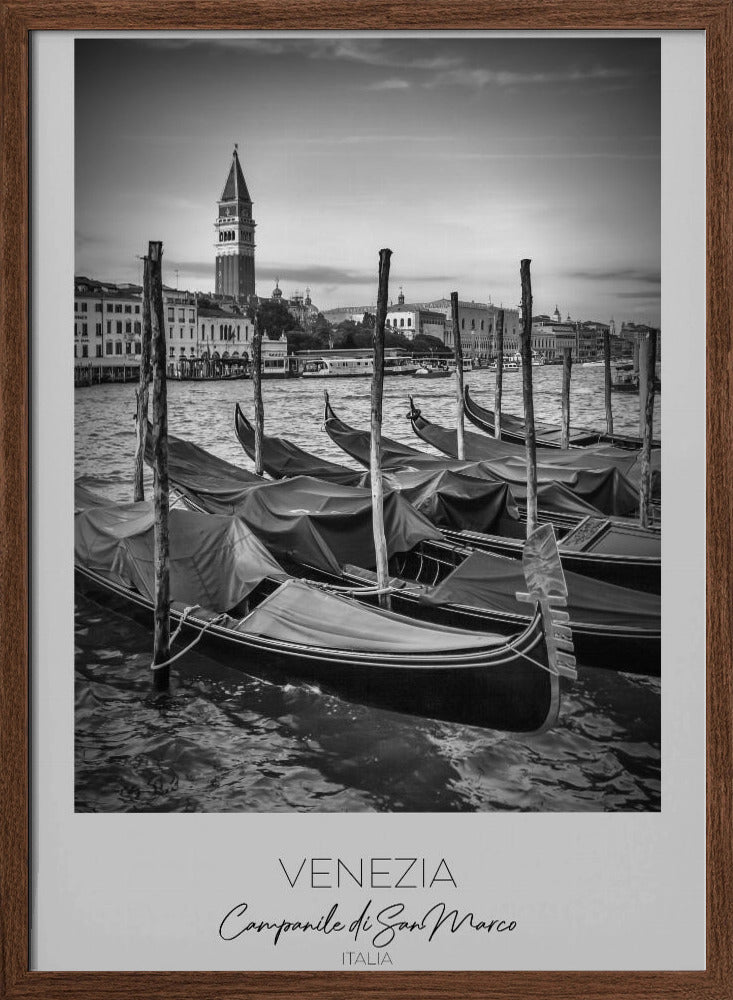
(19, 19)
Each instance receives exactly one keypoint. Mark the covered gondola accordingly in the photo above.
(617, 552)
(229, 592)
(567, 461)
(317, 530)
(548, 435)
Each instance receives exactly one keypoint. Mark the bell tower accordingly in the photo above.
(235, 237)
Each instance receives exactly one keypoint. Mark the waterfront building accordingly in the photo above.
(477, 322)
(107, 323)
(234, 242)
(413, 319)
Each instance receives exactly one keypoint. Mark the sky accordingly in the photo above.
(463, 155)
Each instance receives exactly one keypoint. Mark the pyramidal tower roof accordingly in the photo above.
(235, 188)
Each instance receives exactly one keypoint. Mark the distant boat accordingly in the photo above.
(399, 366)
(346, 367)
(432, 371)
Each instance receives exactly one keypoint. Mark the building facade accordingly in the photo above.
(234, 242)
(478, 324)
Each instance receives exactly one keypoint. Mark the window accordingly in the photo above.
(97, 307)
(173, 351)
(128, 347)
(482, 324)
(76, 329)
(137, 309)
(171, 314)
(473, 324)
(212, 331)
(84, 329)
(128, 309)
(237, 332)
(109, 307)
(128, 327)
(108, 347)
(402, 321)
(463, 323)
(118, 347)
(181, 315)
(137, 347)
(136, 326)
(119, 326)
(98, 351)
(409, 320)
(118, 307)
(109, 326)
(76, 306)
(180, 335)
(203, 330)
(190, 334)
(98, 329)
(191, 316)
(84, 307)
(74, 350)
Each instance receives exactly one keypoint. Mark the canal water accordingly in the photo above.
(227, 741)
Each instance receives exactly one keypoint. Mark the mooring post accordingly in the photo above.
(499, 384)
(607, 379)
(530, 443)
(375, 458)
(458, 355)
(257, 393)
(642, 365)
(143, 387)
(567, 368)
(161, 623)
(647, 350)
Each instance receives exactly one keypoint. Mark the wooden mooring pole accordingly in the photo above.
(143, 387)
(647, 351)
(161, 622)
(607, 379)
(499, 384)
(375, 458)
(257, 393)
(567, 368)
(530, 443)
(458, 355)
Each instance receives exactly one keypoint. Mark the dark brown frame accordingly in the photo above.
(19, 18)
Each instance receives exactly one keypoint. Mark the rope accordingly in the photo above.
(349, 590)
(208, 625)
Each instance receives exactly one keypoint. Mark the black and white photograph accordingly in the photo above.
(367, 424)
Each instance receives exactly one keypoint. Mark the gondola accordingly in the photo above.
(613, 551)
(228, 592)
(548, 435)
(602, 491)
(485, 448)
(323, 532)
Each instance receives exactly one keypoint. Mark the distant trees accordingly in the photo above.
(274, 318)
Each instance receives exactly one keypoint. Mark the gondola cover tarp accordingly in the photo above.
(324, 525)
(301, 614)
(215, 561)
(487, 581)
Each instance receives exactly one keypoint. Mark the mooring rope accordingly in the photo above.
(208, 625)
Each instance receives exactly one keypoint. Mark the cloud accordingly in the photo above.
(478, 77)
(645, 277)
(641, 296)
(392, 83)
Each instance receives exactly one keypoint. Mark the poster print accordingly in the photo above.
(276, 169)
(324, 124)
